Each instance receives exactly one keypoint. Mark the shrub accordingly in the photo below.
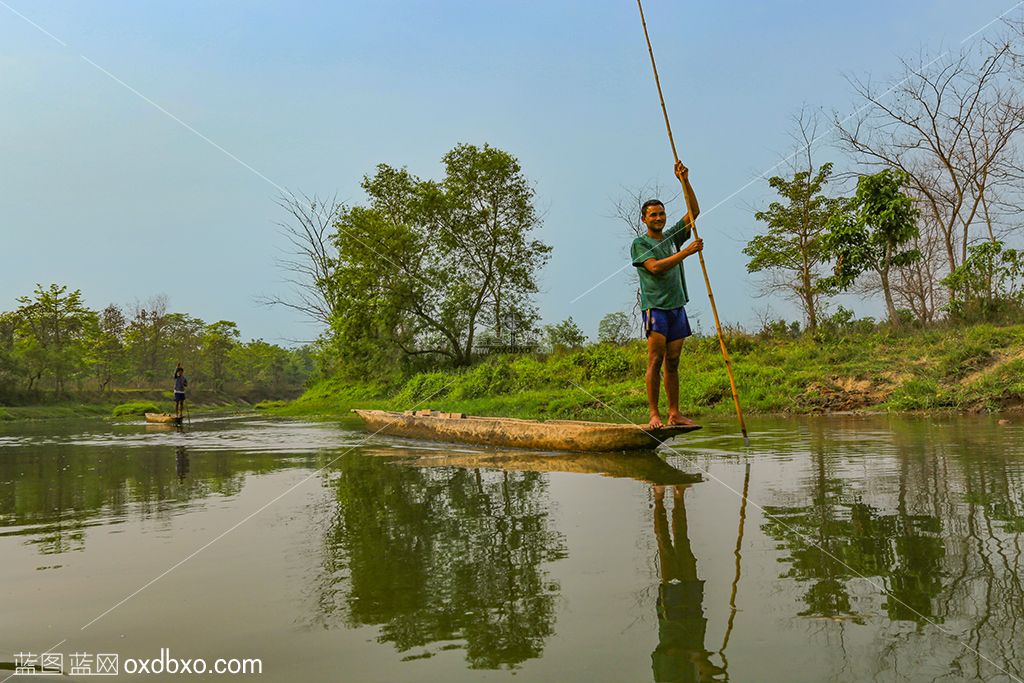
(266, 405)
(528, 373)
(566, 369)
(135, 408)
(988, 285)
(606, 361)
(737, 341)
(565, 335)
(615, 328)
(425, 386)
(915, 394)
(483, 380)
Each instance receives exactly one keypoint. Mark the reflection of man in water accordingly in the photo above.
(181, 463)
(680, 655)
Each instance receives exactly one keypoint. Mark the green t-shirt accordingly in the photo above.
(665, 290)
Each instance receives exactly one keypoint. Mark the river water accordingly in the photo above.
(866, 549)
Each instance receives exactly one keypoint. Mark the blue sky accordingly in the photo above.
(102, 191)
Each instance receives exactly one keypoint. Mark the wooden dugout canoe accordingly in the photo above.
(549, 435)
(162, 418)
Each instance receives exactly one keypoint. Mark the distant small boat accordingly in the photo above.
(548, 435)
(163, 418)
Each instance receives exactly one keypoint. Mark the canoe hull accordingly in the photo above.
(550, 435)
(163, 418)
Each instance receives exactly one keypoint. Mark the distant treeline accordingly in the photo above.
(53, 346)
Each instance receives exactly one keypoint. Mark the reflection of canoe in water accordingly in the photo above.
(643, 465)
(550, 435)
(163, 418)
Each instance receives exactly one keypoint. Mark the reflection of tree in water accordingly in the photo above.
(984, 576)
(937, 528)
(434, 555)
(839, 537)
(680, 655)
(52, 494)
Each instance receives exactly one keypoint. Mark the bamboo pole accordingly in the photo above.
(739, 557)
(700, 254)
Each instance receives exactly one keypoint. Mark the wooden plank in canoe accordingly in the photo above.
(549, 435)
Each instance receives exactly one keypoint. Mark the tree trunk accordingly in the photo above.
(497, 318)
(894, 318)
(807, 294)
(466, 357)
(883, 274)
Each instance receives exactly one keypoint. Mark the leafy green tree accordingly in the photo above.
(146, 339)
(424, 265)
(792, 252)
(108, 352)
(216, 342)
(53, 337)
(263, 370)
(53, 327)
(156, 340)
(184, 343)
(564, 335)
(871, 232)
(988, 285)
(615, 328)
(10, 370)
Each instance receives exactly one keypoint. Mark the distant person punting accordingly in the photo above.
(179, 390)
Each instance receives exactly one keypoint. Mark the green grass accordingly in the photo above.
(135, 408)
(87, 409)
(979, 368)
(54, 412)
(268, 405)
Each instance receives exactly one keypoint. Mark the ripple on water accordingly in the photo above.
(248, 436)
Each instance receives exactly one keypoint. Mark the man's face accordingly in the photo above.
(654, 218)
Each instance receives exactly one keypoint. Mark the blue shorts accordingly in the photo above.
(178, 395)
(672, 323)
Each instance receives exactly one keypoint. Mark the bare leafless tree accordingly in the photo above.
(626, 210)
(916, 287)
(952, 125)
(310, 259)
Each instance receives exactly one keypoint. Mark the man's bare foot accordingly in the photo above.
(655, 422)
(677, 420)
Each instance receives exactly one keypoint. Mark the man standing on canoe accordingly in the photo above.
(663, 295)
(179, 390)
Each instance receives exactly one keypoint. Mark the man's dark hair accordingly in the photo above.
(649, 203)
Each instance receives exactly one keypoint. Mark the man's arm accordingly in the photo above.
(657, 266)
(692, 207)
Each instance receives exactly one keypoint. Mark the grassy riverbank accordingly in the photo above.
(95, 407)
(54, 411)
(961, 369)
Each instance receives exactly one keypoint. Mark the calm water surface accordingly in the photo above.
(868, 549)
